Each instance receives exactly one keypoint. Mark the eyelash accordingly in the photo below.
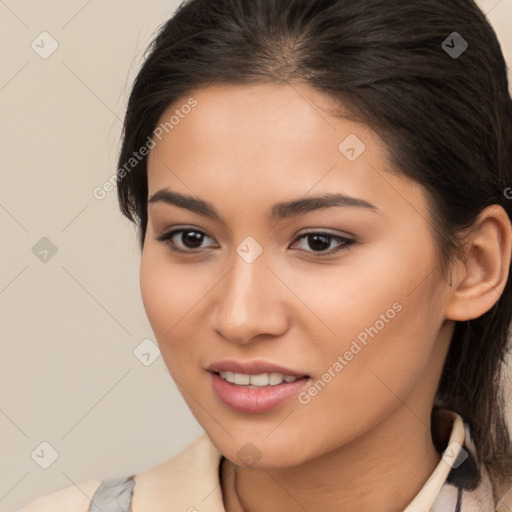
(345, 246)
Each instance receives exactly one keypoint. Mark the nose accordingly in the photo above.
(250, 302)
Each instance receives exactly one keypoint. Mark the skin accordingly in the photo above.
(364, 441)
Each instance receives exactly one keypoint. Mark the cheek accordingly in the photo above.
(168, 294)
(349, 297)
(370, 381)
(156, 292)
(379, 317)
(173, 298)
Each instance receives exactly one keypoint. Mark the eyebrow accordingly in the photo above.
(279, 210)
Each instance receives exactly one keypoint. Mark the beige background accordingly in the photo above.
(70, 325)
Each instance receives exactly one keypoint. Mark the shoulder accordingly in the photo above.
(174, 484)
(75, 498)
(191, 478)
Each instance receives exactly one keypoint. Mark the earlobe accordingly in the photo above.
(479, 280)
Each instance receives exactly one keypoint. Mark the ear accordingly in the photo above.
(478, 282)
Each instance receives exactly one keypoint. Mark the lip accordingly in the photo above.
(256, 400)
(254, 367)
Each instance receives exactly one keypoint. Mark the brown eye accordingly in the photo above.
(183, 240)
(191, 239)
(318, 242)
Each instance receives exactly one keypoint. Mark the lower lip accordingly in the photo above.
(255, 400)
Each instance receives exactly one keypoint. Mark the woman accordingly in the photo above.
(322, 191)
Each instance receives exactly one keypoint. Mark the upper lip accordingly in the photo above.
(252, 368)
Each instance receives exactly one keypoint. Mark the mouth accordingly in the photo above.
(247, 387)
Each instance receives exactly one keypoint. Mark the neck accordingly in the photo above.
(382, 471)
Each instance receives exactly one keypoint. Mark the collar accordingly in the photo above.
(190, 480)
(458, 483)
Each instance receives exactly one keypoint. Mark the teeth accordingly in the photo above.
(241, 379)
(261, 380)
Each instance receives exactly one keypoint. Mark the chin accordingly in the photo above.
(261, 451)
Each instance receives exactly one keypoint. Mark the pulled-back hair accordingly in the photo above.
(446, 120)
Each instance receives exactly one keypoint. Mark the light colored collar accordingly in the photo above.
(188, 482)
(430, 491)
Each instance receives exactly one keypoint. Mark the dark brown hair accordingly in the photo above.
(446, 119)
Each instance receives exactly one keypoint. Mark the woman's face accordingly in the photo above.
(345, 297)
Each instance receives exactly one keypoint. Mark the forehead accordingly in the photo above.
(276, 141)
(267, 118)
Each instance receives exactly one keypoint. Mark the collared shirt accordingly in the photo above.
(190, 482)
